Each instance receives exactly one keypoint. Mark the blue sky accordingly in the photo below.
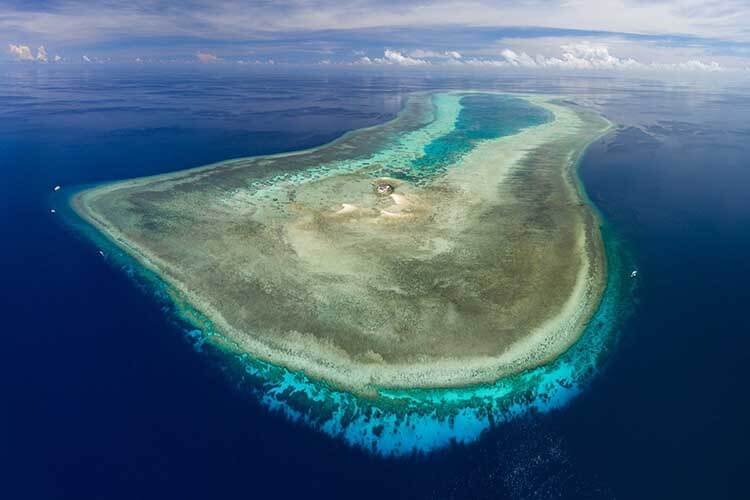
(533, 34)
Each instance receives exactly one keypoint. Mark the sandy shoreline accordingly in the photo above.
(543, 344)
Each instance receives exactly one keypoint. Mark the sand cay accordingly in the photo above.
(360, 266)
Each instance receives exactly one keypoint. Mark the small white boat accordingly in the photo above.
(634, 274)
(101, 253)
(57, 188)
(52, 210)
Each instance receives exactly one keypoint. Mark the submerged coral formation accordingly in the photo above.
(421, 265)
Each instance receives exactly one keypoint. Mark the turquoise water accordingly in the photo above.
(482, 117)
(459, 123)
(401, 151)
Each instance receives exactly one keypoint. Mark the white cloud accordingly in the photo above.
(21, 52)
(41, 54)
(574, 56)
(646, 51)
(396, 57)
(700, 30)
(270, 62)
(515, 59)
(235, 18)
(87, 21)
(692, 65)
(393, 57)
(448, 54)
(586, 56)
(24, 53)
(206, 57)
(570, 56)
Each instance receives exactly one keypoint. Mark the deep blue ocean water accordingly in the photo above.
(104, 396)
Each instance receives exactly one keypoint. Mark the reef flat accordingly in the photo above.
(449, 247)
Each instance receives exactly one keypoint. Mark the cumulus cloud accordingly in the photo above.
(21, 52)
(396, 57)
(207, 57)
(586, 56)
(393, 57)
(24, 53)
(574, 56)
(41, 54)
(422, 54)
(571, 56)
(692, 65)
(514, 59)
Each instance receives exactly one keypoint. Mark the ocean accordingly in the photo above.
(106, 394)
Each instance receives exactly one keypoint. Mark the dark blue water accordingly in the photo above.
(103, 396)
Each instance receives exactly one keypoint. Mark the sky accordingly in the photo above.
(595, 35)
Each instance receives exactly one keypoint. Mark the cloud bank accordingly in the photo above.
(24, 53)
(21, 52)
(561, 34)
(393, 57)
(206, 57)
(578, 56)
(41, 54)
